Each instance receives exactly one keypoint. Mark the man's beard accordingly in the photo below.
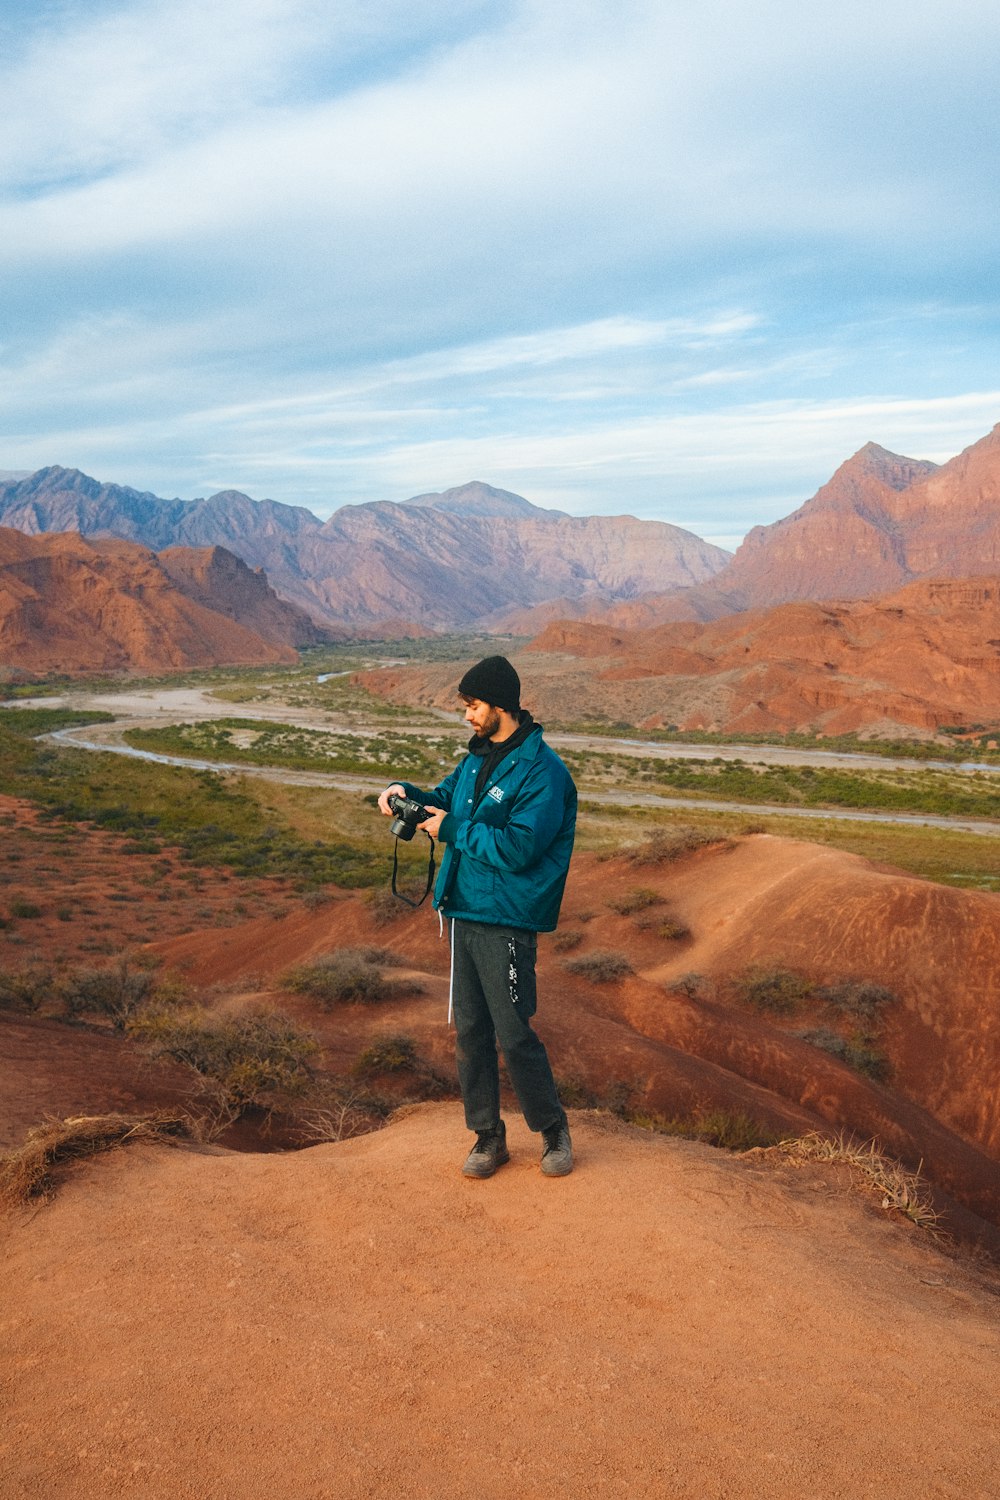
(490, 725)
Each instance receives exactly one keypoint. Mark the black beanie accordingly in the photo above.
(493, 680)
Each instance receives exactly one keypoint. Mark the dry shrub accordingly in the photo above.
(566, 940)
(350, 976)
(384, 907)
(856, 1051)
(899, 1190)
(857, 997)
(673, 930)
(343, 1114)
(668, 844)
(116, 991)
(639, 898)
(388, 1054)
(601, 967)
(257, 1059)
(730, 1131)
(776, 990)
(26, 989)
(670, 928)
(28, 1170)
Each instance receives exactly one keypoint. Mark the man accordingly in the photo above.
(506, 816)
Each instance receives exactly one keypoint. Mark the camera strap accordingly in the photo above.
(431, 866)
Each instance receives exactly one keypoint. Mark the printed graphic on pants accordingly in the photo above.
(512, 971)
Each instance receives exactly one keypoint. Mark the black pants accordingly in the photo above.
(493, 987)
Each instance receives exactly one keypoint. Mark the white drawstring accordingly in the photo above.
(451, 976)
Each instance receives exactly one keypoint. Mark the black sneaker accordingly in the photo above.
(489, 1152)
(557, 1150)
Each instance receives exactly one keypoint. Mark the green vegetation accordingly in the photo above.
(855, 1002)
(599, 967)
(390, 1054)
(638, 899)
(35, 721)
(255, 742)
(940, 792)
(855, 1051)
(350, 976)
(729, 1130)
(775, 990)
(210, 822)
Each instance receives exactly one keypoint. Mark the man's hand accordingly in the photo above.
(432, 823)
(383, 801)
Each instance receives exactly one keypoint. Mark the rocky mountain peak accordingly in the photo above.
(479, 499)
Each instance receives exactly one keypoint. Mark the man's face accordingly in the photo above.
(482, 717)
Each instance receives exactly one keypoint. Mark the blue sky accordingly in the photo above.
(678, 259)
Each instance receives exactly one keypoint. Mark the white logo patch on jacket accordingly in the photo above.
(496, 792)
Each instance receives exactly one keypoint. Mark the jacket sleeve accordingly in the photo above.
(535, 819)
(442, 794)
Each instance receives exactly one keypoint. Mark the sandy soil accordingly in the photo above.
(359, 1320)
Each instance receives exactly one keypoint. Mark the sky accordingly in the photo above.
(675, 258)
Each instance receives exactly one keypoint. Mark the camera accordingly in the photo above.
(406, 815)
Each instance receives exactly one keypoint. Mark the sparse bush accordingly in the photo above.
(857, 997)
(673, 930)
(116, 991)
(24, 909)
(27, 1171)
(858, 1052)
(776, 990)
(389, 1054)
(668, 844)
(26, 989)
(691, 985)
(600, 968)
(342, 1113)
(566, 940)
(384, 907)
(257, 1059)
(316, 899)
(350, 976)
(638, 899)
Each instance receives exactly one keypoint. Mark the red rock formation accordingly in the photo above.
(926, 656)
(221, 582)
(71, 605)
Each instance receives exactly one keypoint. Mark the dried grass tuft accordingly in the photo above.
(899, 1190)
(27, 1171)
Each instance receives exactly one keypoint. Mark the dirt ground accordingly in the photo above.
(360, 1321)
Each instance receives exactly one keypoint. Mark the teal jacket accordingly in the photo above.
(505, 862)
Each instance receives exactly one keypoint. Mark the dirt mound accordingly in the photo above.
(360, 1320)
(674, 1045)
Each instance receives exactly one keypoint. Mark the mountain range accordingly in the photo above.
(461, 558)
